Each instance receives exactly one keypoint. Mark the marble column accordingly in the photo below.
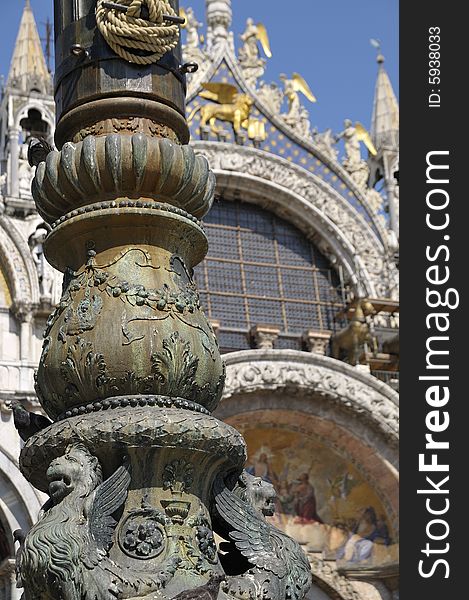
(13, 182)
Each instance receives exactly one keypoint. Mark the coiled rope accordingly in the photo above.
(128, 31)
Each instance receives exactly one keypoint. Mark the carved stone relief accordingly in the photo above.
(351, 229)
(273, 370)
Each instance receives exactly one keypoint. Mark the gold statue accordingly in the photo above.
(364, 136)
(256, 131)
(231, 106)
(353, 338)
(251, 37)
(292, 88)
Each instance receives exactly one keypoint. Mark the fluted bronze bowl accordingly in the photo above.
(116, 166)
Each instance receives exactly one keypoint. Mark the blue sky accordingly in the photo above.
(327, 42)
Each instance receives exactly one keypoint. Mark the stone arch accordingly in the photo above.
(19, 505)
(351, 412)
(328, 580)
(35, 104)
(309, 203)
(18, 264)
(5, 291)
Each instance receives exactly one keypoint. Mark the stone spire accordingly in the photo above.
(385, 119)
(219, 17)
(385, 136)
(28, 69)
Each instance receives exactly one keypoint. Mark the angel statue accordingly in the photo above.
(297, 116)
(49, 279)
(191, 49)
(192, 27)
(292, 88)
(352, 136)
(251, 37)
(353, 163)
(252, 64)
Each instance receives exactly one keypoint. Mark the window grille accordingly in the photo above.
(261, 270)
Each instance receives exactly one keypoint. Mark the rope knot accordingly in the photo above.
(154, 11)
(139, 35)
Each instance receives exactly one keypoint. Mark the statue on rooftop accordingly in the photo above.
(293, 86)
(326, 142)
(252, 64)
(192, 27)
(252, 36)
(353, 162)
(192, 50)
(351, 143)
(45, 273)
(297, 116)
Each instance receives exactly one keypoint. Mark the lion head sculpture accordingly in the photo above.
(52, 552)
(258, 492)
(76, 471)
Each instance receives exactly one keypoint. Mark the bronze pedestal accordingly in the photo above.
(138, 471)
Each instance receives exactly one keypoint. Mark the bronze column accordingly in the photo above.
(130, 369)
(138, 471)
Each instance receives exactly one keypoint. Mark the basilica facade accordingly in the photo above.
(300, 285)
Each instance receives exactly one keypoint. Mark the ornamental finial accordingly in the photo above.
(219, 18)
(377, 44)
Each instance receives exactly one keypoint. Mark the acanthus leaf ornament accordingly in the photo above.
(83, 371)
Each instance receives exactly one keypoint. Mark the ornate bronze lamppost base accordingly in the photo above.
(139, 473)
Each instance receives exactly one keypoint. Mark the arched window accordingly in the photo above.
(261, 270)
(34, 125)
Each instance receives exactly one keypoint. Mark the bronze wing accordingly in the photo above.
(250, 533)
(223, 93)
(109, 496)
